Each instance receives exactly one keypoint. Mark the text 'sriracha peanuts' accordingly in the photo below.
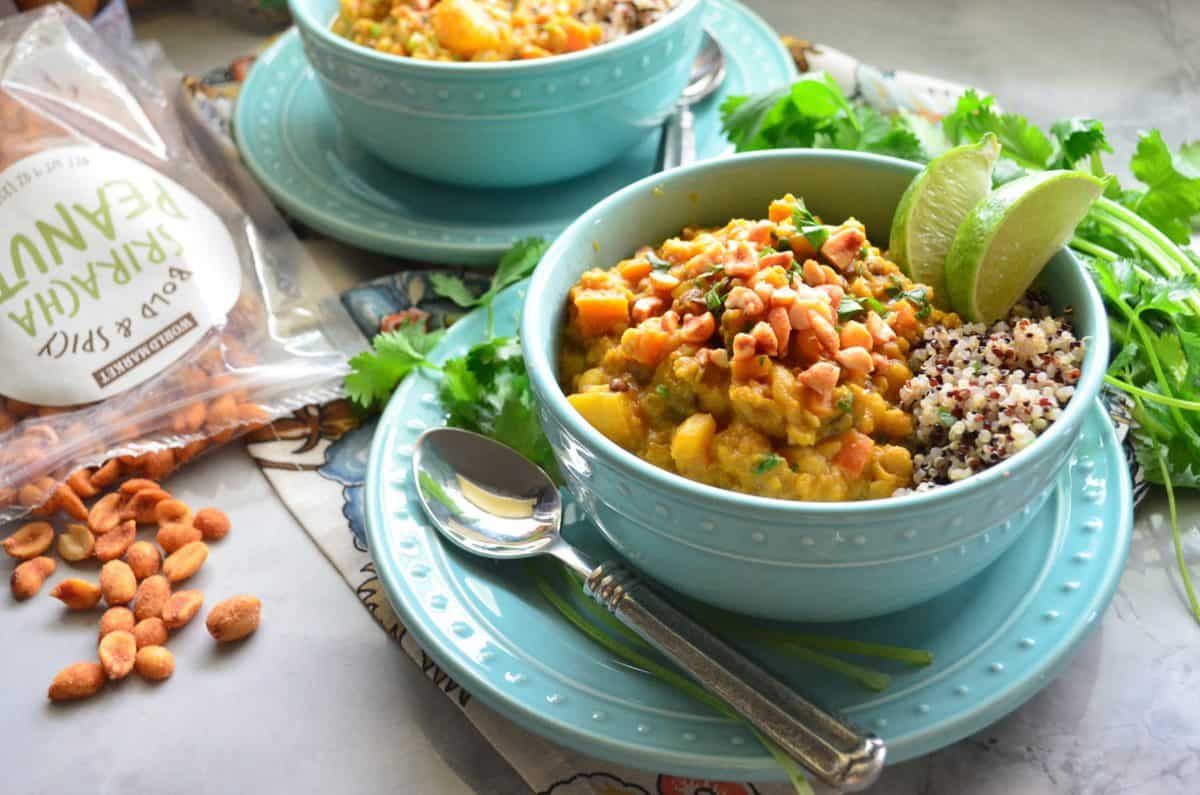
(153, 304)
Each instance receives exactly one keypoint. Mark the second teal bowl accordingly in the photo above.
(506, 124)
(793, 561)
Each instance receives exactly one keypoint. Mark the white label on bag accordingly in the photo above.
(109, 272)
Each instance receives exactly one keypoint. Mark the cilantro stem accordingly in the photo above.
(1148, 233)
(794, 773)
(1154, 397)
(918, 657)
(1097, 251)
(867, 677)
(1139, 328)
(1176, 538)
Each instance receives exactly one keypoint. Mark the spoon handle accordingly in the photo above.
(677, 144)
(836, 754)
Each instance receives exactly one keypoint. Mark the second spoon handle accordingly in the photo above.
(833, 752)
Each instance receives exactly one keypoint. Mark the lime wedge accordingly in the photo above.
(934, 205)
(1008, 238)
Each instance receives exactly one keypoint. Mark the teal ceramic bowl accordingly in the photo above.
(779, 559)
(507, 124)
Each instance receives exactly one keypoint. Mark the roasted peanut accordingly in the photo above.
(116, 618)
(76, 543)
(78, 680)
(150, 632)
(152, 595)
(117, 583)
(39, 496)
(29, 540)
(212, 523)
(80, 482)
(134, 485)
(141, 505)
(105, 514)
(144, 558)
(35, 493)
(158, 464)
(67, 501)
(107, 474)
(171, 511)
(155, 663)
(117, 653)
(185, 561)
(27, 578)
(174, 535)
(77, 594)
(235, 618)
(181, 607)
(113, 545)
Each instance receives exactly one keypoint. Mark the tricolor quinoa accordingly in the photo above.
(978, 394)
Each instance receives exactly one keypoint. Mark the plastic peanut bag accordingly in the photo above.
(152, 302)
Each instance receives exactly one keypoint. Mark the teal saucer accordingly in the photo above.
(996, 640)
(289, 138)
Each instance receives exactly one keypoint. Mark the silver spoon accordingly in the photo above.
(491, 501)
(677, 146)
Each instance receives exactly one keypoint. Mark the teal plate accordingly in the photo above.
(289, 138)
(997, 639)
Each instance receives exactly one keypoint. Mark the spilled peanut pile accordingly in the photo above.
(136, 581)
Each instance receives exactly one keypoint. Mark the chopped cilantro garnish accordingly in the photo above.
(657, 262)
(766, 463)
(662, 391)
(765, 250)
(714, 299)
(875, 305)
(806, 224)
(946, 418)
(896, 287)
(848, 308)
(846, 402)
(916, 296)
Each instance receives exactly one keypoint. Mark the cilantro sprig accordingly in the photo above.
(376, 373)
(517, 263)
(487, 389)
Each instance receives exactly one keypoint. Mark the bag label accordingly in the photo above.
(109, 272)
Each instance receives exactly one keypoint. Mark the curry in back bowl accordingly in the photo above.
(491, 30)
(785, 358)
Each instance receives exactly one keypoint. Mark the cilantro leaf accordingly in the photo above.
(454, 288)
(867, 130)
(517, 263)
(1172, 195)
(488, 391)
(807, 224)
(376, 373)
(766, 463)
(1020, 140)
(920, 301)
(849, 307)
(1078, 139)
(657, 262)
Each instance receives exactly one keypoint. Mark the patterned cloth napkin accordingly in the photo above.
(316, 459)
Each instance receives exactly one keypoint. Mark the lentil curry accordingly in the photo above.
(765, 357)
(491, 30)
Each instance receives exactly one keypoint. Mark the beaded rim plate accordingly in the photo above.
(997, 639)
(288, 137)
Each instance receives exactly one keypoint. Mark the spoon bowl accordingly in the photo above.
(498, 505)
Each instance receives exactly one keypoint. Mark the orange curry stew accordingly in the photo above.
(764, 357)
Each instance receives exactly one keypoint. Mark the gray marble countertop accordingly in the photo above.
(320, 700)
